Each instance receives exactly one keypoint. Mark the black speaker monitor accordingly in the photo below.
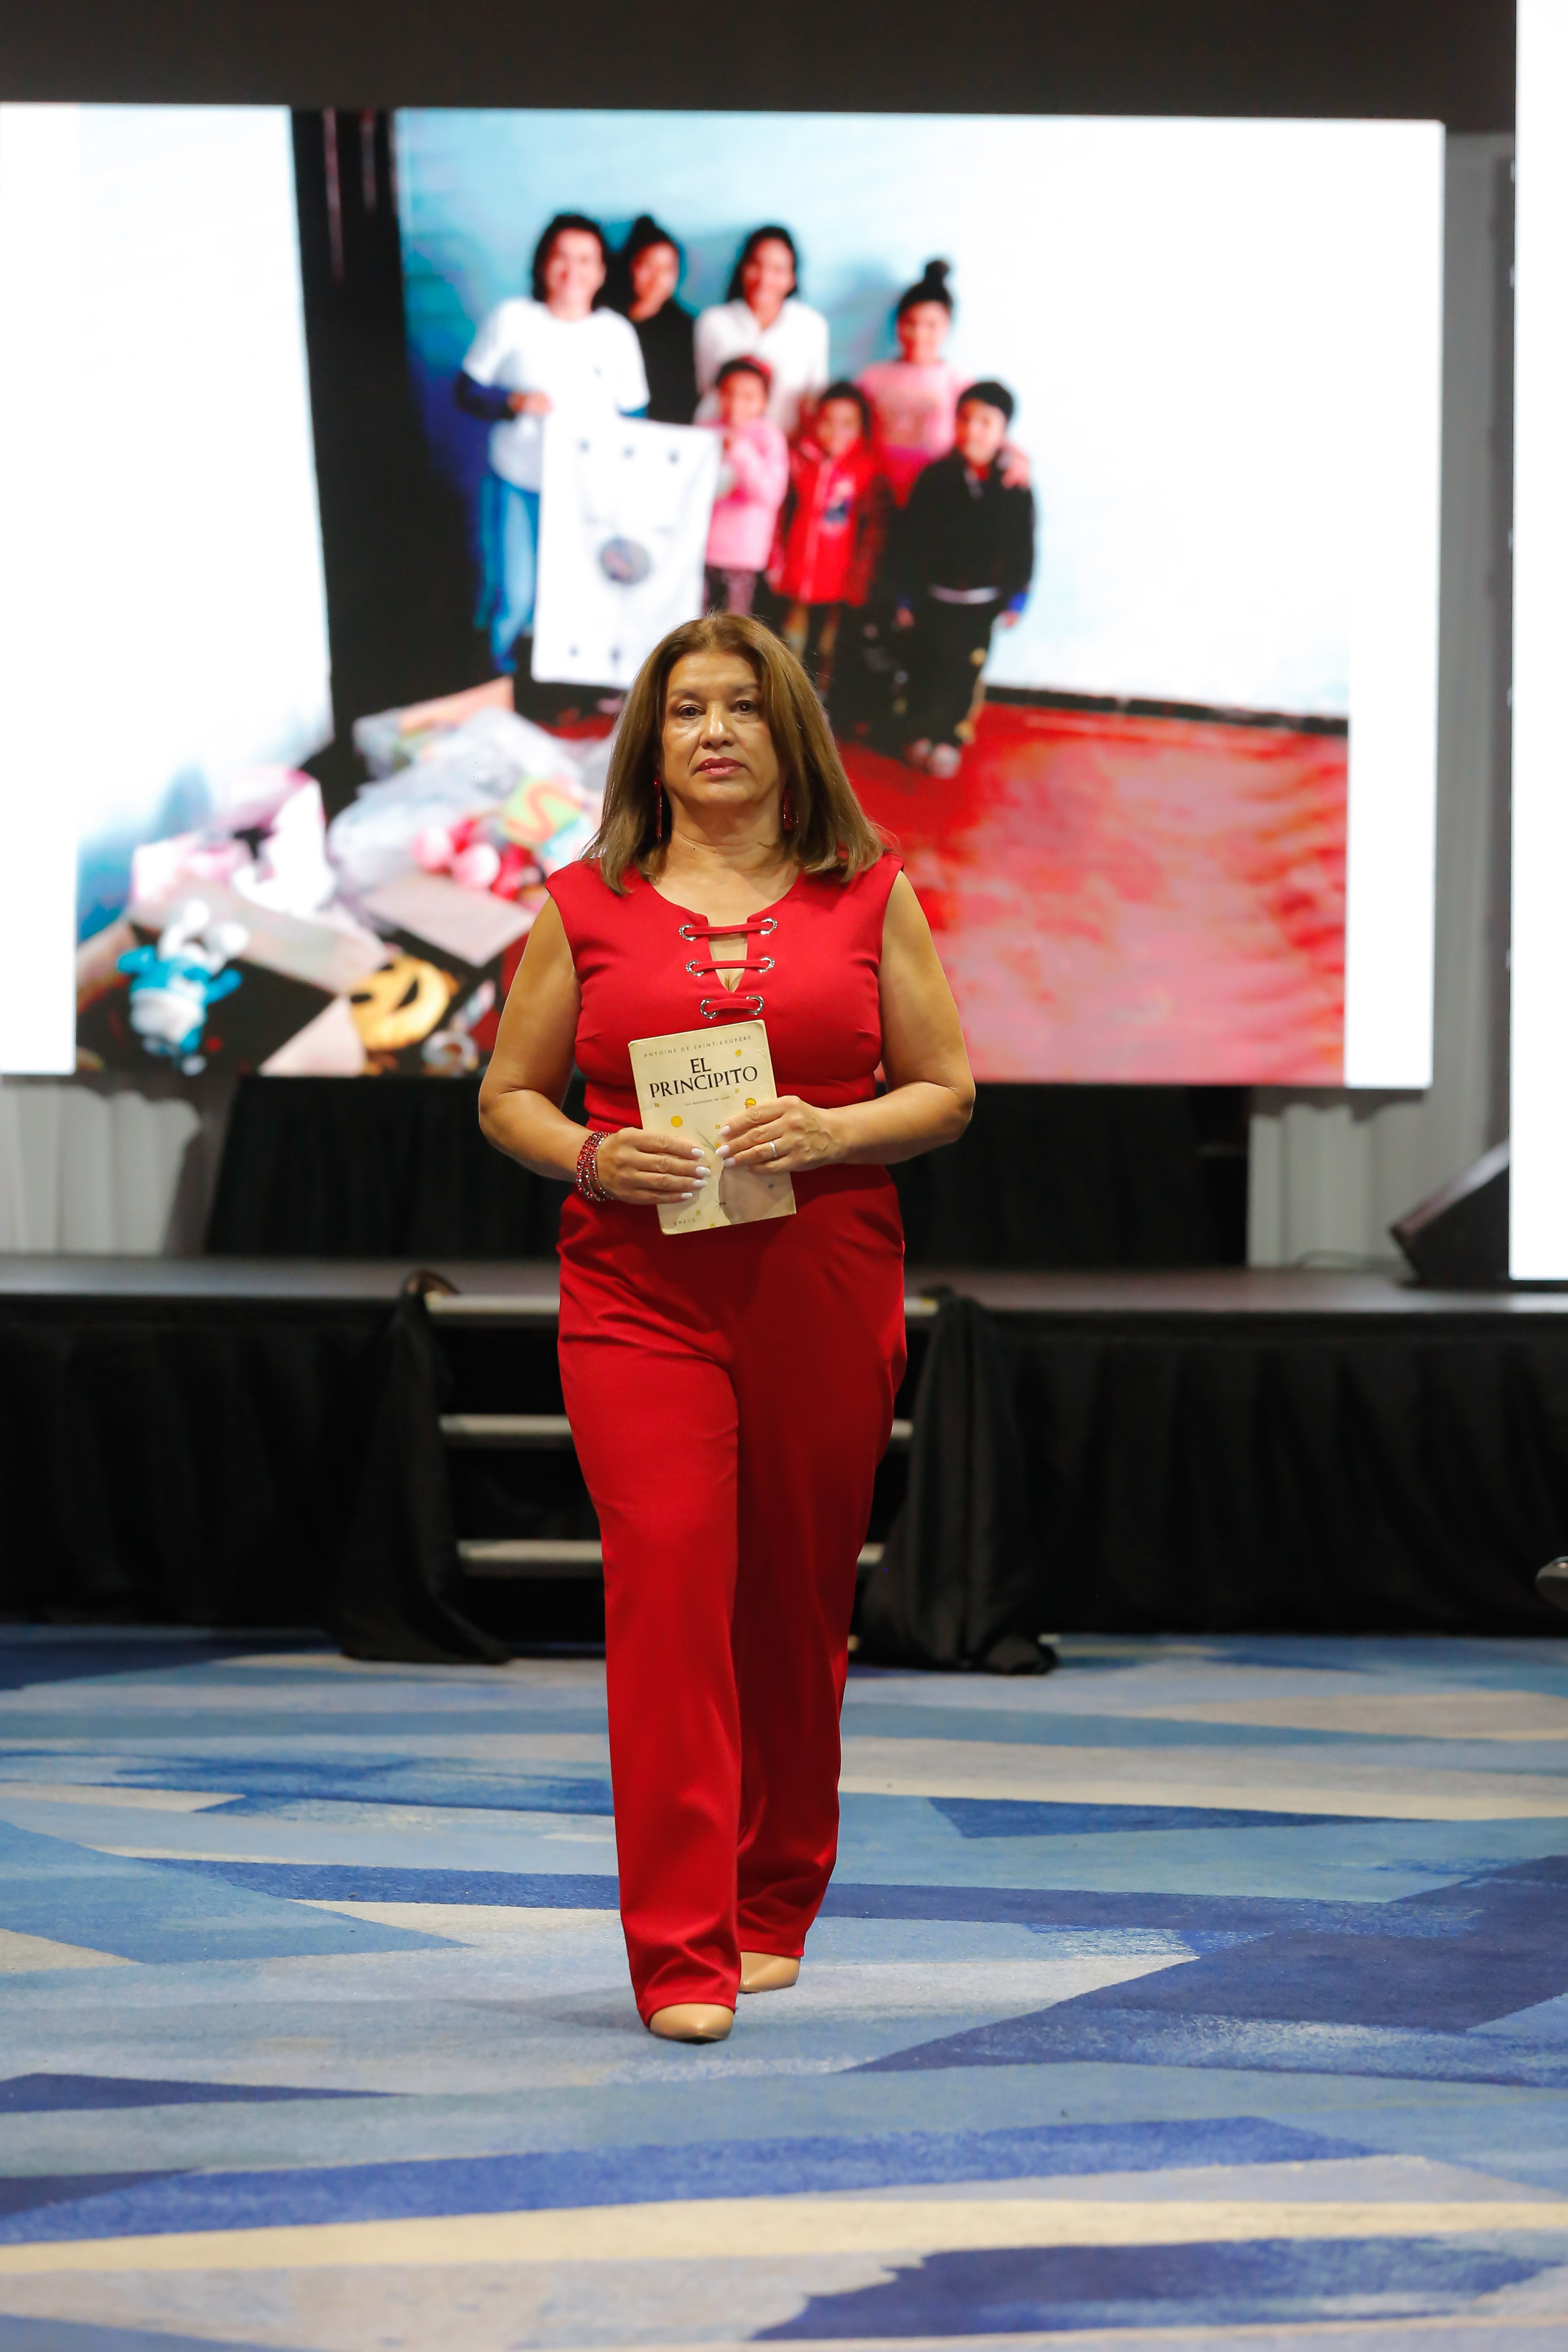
(1458, 1240)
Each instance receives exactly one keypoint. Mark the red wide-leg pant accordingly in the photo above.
(729, 1428)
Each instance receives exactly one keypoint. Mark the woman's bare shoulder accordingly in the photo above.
(549, 942)
(906, 933)
(905, 912)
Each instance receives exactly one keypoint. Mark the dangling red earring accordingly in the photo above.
(786, 813)
(657, 810)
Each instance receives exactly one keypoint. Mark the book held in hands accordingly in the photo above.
(692, 1082)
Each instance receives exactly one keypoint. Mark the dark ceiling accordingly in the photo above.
(1447, 60)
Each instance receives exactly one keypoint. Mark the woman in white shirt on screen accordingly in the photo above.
(531, 358)
(764, 318)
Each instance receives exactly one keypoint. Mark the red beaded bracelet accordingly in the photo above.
(588, 1180)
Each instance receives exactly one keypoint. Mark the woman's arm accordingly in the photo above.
(520, 1101)
(930, 1092)
(493, 401)
(493, 352)
(489, 401)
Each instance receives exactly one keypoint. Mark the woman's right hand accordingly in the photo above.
(530, 404)
(644, 1166)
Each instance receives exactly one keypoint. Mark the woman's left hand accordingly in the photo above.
(804, 1136)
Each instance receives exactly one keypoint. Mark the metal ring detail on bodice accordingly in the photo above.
(715, 1008)
(731, 963)
(749, 1005)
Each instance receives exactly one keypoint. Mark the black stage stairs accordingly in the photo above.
(536, 1476)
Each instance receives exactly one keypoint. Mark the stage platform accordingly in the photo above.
(68, 1283)
(186, 1439)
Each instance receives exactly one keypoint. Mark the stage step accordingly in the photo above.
(549, 1430)
(542, 1557)
(494, 1307)
(525, 1429)
(544, 1306)
(530, 1556)
(519, 1556)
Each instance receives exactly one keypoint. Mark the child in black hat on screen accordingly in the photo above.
(962, 562)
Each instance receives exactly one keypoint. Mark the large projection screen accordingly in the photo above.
(1168, 802)
(1538, 1243)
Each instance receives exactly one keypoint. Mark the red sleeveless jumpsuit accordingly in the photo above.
(730, 1393)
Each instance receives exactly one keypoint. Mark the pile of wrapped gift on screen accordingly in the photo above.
(383, 940)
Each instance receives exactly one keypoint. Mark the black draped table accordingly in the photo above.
(191, 1441)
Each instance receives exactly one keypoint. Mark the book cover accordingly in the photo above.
(691, 1082)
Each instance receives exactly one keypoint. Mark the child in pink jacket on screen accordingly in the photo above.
(753, 475)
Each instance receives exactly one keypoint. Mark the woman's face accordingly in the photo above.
(574, 273)
(716, 748)
(923, 330)
(655, 273)
(767, 279)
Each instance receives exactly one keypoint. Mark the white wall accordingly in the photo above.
(1330, 1171)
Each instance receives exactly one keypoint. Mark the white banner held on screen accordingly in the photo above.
(624, 515)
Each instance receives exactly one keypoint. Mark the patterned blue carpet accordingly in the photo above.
(1206, 1992)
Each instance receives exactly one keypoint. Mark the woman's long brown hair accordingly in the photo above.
(832, 832)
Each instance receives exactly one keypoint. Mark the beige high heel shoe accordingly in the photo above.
(767, 1972)
(692, 2021)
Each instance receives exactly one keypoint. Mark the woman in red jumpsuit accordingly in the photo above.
(729, 1390)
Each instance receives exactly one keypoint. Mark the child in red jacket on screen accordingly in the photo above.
(830, 528)
(753, 475)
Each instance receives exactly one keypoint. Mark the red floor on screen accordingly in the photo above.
(1134, 898)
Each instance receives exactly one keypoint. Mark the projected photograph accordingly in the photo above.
(1017, 445)
(1045, 442)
